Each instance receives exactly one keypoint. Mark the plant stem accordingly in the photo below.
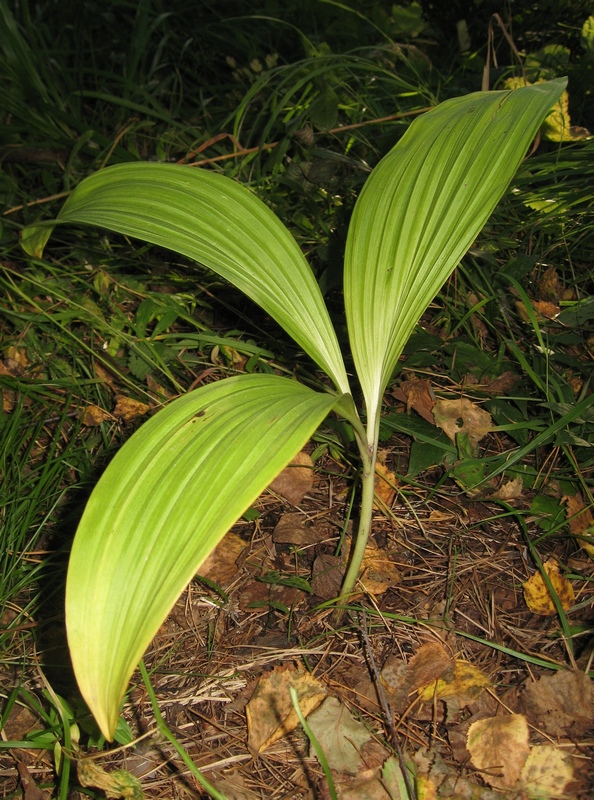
(368, 458)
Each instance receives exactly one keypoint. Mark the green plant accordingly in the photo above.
(186, 476)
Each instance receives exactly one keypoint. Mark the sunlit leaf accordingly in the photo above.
(160, 508)
(421, 209)
(219, 223)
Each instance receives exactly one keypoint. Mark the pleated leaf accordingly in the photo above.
(420, 211)
(162, 505)
(220, 224)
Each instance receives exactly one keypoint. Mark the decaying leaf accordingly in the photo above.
(464, 685)
(561, 703)
(510, 490)
(462, 416)
(378, 571)
(117, 784)
(128, 409)
(340, 736)
(270, 712)
(292, 529)
(295, 481)
(546, 772)
(498, 748)
(417, 395)
(581, 521)
(221, 565)
(537, 595)
(384, 488)
(94, 415)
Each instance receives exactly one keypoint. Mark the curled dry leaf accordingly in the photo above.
(117, 784)
(498, 748)
(510, 490)
(463, 686)
(292, 529)
(537, 596)
(457, 416)
(270, 712)
(417, 395)
(295, 481)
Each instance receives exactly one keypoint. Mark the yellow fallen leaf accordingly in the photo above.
(467, 682)
(129, 409)
(537, 596)
(546, 772)
(116, 784)
(384, 486)
(94, 415)
(498, 748)
(581, 521)
(270, 712)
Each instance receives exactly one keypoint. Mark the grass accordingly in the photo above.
(299, 106)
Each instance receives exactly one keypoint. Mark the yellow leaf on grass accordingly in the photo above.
(384, 486)
(270, 712)
(537, 596)
(94, 415)
(546, 772)
(581, 521)
(466, 683)
(498, 748)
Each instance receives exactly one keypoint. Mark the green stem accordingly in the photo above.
(368, 459)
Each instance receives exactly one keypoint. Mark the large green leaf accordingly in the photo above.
(421, 209)
(219, 223)
(160, 508)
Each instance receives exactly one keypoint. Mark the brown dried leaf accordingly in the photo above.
(581, 521)
(378, 571)
(498, 747)
(270, 712)
(128, 409)
(32, 792)
(291, 529)
(327, 576)
(457, 416)
(501, 385)
(430, 663)
(17, 360)
(221, 565)
(545, 310)
(560, 703)
(417, 395)
(537, 595)
(550, 286)
(105, 376)
(116, 784)
(295, 481)
(94, 415)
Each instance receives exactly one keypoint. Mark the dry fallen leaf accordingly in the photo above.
(457, 416)
(510, 490)
(295, 481)
(291, 529)
(340, 736)
(94, 415)
(464, 686)
(537, 595)
(417, 395)
(560, 704)
(498, 748)
(221, 565)
(546, 772)
(270, 712)
(384, 486)
(378, 571)
(581, 521)
(117, 784)
(128, 409)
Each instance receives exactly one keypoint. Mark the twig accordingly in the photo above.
(386, 709)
